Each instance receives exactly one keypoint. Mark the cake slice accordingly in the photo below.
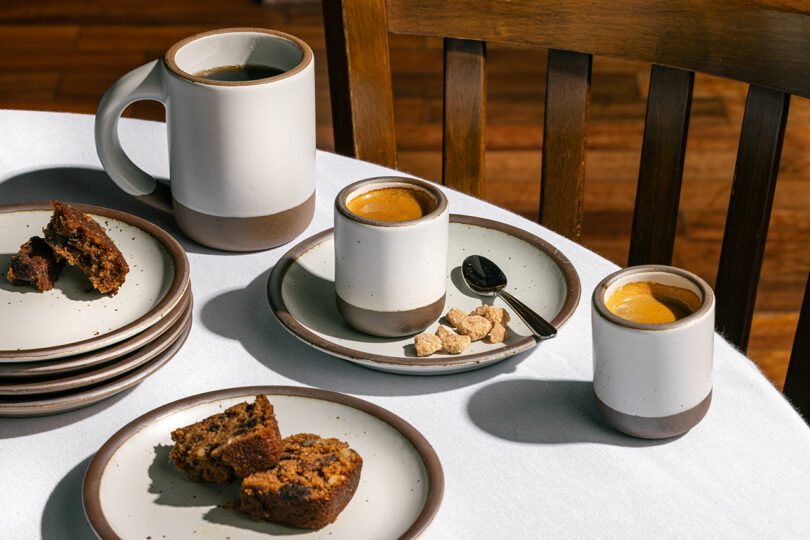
(82, 242)
(242, 440)
(312, 483)
(35, 264)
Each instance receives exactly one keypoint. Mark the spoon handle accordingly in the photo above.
(537, 324)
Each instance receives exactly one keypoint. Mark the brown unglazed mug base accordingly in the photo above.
(390, 323)
(655, 427)
(244, 234)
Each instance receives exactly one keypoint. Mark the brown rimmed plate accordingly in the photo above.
(115, 368)
(11, 372)
(301, 292)
(132, 490)
(26, 406)
(72, 318)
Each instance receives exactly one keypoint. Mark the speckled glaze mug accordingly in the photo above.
(391, 276)
(241, 153)
(653, 380)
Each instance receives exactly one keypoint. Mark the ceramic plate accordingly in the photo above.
(132, 490)
(116, 368)
(301, 291)
(48, 369)
(69, 401)
(79, 319)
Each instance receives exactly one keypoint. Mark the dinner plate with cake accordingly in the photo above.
(261, 461)
(93, 300)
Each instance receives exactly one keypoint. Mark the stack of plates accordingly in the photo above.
(72, 346)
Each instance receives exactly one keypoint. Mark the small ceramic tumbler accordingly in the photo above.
(653, 380)
(391, 276)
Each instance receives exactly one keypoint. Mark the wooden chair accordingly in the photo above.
(797, 382)
(765, 43)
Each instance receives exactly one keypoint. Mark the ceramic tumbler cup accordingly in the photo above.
(241, 153)
(391, 276)
(653, 380)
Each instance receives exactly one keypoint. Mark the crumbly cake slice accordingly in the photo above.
(82, 242)
(35, 264)
(242, 440)
(312, 483)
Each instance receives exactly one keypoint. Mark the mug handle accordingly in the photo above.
(145, 82)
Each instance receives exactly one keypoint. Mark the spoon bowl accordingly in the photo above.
(486, 278)
(482, 275)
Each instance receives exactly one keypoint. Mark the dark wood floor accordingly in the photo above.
(63, 55)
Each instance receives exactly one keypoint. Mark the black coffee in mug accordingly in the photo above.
(247, 72)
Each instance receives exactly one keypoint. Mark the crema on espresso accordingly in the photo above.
(652, 303)
(392, 204)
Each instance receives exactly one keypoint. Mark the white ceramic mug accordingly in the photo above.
(391, 276)
(241, 154)
(653, 380)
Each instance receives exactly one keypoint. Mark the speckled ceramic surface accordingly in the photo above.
(79, 319)
(69, 401)
(116, 368)
(132, 490)
(302, 295)
(388, 280)
(59, 367)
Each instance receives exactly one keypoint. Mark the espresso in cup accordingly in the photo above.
(392, 204)
(652, 303)
(653, 347)
(391, 237)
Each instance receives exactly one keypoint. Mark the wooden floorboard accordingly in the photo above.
(63, 55)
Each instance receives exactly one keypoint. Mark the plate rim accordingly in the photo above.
(103, 355)
(115, 368)
(169, 300)
(291, 324)
(91, 497)
(83, 397)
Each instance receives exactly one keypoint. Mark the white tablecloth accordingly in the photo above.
(524, 451)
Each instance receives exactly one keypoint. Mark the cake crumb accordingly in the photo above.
(444, 332)
(427, 344)
(484, 321)
(237, 442)
(35, 264)
(492, 314)
(454, 343)
(82, 242)
(310, 486)
(474, 326)
(455, 316)
(497, 334)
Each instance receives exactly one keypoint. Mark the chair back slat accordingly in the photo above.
(766, 42)
(749, 212)
(662, 153)
(465, 84)
(360, 80)
(797, 382)
(565, 135)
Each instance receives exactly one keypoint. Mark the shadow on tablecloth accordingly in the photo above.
(244, 315)
(63, 517)
(545, 412)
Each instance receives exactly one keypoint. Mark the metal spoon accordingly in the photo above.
(485, 277)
